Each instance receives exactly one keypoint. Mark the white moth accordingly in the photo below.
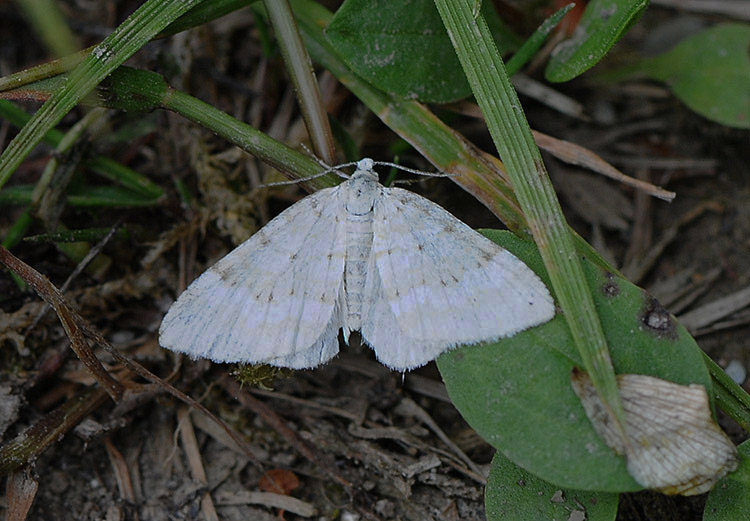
(674, 446)
(413, 279)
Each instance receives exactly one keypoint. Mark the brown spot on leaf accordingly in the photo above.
(610, 288)
(656, 319)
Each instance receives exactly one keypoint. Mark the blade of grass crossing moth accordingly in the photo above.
(124, 41)
(512, 136)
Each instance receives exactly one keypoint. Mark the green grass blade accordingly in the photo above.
(130, 36)
(535, 41)
(301, 73)
(275, 153)
(512, 136)
(50, 26)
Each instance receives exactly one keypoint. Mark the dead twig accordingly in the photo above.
(93, 252)
(716, 310)
(637, 268)
(190, 445)
(122, 473)
(53, 425)
(49, 293)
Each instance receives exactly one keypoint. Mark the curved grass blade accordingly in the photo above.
(130, 36)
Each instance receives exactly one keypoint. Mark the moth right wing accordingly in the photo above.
(434, 283)
(277, 298)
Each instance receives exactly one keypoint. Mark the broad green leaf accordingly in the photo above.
(603, 23)
(709, 72)
(730, 498)
(402, 47)
(513, 494)
(516, 392)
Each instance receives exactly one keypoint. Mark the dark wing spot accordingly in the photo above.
(443, 282)
(291, 291)
(454, 278)
(292, 257)
(270, 296)
(329, 256)
(420, 247)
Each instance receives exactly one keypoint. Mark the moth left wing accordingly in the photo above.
(434, 283)
(275, 299)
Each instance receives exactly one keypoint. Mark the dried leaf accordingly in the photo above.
(280, 481)
(674, 446)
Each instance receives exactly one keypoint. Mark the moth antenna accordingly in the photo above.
(413, 170)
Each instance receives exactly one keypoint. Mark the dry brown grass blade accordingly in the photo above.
(190, 446)
(574, 154)
(20, 491)
(122, 473)
(50, 294)
(84, 330)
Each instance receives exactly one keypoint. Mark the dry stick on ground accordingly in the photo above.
(409, 407)
(49, 429)
(73, 322)
(712, 312)
(190, 445)
(273, 419)
(122, 473)
(642, 231)
(638, 268)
